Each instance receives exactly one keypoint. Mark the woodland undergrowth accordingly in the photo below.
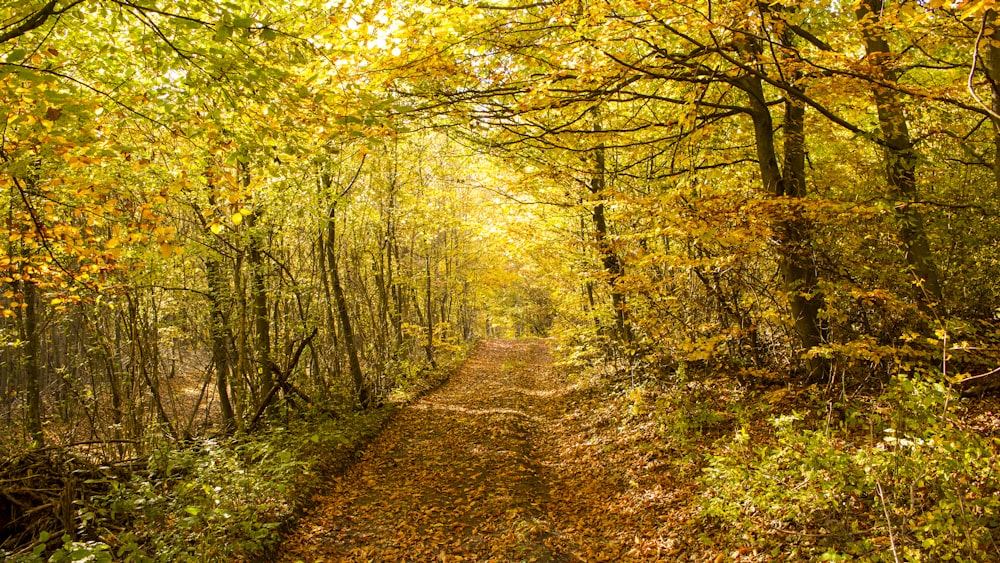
(221, 498)
(885, 462)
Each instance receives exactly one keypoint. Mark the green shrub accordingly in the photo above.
(216, 500)
(902, 473)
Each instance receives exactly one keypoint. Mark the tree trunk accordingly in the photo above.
(138, 361)
(609, 258)
(799, 279)
(331, 305)
(991, 60)
(354, 363)
(258, 304)
(32, 366)
(797, 266)
(217, 300)
(398, 296)
(429, 346)
(901, 160)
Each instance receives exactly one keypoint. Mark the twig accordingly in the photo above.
(987, 374)
(972, 70)
(892, 537)
(72, 445)
(280, 382)
(944, 369)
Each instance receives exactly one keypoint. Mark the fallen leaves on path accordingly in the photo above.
(506, 462)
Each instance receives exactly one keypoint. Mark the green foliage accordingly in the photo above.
(217, 500)
(82, 552)
(684, 421)
(69, 551)
(902, 471)
(663, 243)
(214, 501)
(526, 308)
(583, 352)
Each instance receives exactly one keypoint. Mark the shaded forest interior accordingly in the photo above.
(238, 236)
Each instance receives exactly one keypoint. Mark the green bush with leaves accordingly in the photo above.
(217, 500)
(899, 479)
(71, 551)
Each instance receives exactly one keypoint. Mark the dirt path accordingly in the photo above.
(497, 465)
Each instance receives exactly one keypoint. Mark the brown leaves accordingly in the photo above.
(452, 478)
(504, 463)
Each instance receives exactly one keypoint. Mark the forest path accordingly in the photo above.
(456, 476)
(506, 462)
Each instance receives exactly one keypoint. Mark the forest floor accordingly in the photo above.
(505, 462)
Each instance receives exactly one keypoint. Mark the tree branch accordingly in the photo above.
(34, 21)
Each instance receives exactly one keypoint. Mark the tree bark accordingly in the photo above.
(797, 266)
(330, 302)
(217, 300)
(991, 60)
(901, 159)
(32, 366)
(799, 280)
(258, 304)
(353, 361)
(429, 346)
(609, 258)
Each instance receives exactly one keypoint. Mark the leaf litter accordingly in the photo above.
(507, 461)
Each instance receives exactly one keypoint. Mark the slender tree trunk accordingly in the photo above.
(393, 304)
(991, 60)
(331, 304)
(590, 305)
(258, 304)
(797, 265)
(381, 314)
(429, 346)
(217, 300)
(609, 258)
(32, 366)
(353, 362)
(398, 296)
(392, 258)
(901, 159)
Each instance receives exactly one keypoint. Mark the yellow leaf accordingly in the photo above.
(166, 250)
(237, 218)
(216, 228)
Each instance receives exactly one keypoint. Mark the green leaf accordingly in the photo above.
(223, 32)
(16, 56)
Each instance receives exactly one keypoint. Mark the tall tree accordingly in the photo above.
(900, 157)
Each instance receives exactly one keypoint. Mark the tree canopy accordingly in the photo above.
(218, 212)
